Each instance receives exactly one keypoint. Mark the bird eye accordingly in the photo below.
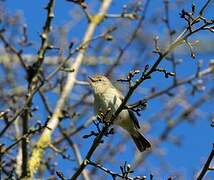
(99, 79)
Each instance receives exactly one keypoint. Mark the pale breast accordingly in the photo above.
(104, 101)
(109, 100)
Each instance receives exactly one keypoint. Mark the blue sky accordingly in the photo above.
(197, 139)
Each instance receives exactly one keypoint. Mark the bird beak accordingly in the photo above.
(91, 79)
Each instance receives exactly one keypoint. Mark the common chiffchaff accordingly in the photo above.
(106, 97)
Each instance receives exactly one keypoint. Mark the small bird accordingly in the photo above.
(106, 97)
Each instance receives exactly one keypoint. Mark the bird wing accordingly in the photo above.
(132, 115)
(134, 119)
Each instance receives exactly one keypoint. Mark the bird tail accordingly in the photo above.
(141, 142)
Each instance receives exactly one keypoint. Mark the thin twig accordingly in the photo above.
(206, 165)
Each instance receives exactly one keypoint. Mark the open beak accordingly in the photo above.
(91, 79)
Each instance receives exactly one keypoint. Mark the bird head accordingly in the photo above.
(99, 83)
